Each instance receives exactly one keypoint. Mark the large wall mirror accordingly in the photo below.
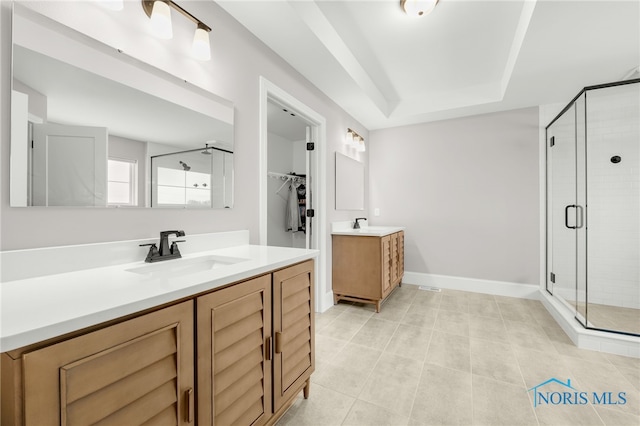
(93, 127)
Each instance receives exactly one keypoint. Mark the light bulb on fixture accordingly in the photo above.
(201, 48)
(349, 137)
(418, 8)
(356, 142)
(361, 146)
(161, 20)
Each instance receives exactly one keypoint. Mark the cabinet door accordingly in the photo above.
(400, 255)
(139, 371)
(394, 259)
(234, 357)
(293, 324)
(386, 262)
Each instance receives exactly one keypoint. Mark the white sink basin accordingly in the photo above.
(185, 266)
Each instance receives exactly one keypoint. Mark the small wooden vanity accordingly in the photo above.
(367, 264)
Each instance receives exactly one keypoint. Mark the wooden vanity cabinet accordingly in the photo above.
(252, 343)
(367, 269)
(255, 347)
(139, 371)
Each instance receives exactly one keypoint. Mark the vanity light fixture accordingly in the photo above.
(159, 11)
(354, 140)
(418, 8)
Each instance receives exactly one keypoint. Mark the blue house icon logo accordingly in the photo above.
(553, 397)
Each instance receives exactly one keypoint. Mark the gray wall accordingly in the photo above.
(467, 191)
(238, 59)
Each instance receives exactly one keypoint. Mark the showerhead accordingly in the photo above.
(206, 149)
(185, 166)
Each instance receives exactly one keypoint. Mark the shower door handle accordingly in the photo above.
(566, 216)
(579, 218)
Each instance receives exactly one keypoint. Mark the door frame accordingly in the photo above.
(269, 91)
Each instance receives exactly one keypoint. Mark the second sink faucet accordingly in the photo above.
(356, 225)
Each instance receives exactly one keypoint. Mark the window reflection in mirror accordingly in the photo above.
(87, 121)
(198, 178)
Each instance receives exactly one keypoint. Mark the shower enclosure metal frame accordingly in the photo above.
(576, 213)
(227, 174)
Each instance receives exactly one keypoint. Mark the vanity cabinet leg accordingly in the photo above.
(305, 391)
(378, 303)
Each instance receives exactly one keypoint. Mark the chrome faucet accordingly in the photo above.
(165, 252)
(356, 225)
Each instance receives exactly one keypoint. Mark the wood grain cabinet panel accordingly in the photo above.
(367, 269)
(136, 372)
(234, 358)
(293, 323)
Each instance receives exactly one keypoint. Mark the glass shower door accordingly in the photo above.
(564, 214)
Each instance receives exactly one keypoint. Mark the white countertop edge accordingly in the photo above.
(369, 231)
(46, 330)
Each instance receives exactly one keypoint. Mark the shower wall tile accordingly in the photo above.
(613, 196)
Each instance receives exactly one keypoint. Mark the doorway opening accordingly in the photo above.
(288, 161)
(292, 168)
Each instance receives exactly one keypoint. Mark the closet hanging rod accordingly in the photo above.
(285, 176)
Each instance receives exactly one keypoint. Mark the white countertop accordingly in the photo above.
(39, 308)
(369, 231)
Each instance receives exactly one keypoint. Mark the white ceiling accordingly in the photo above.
(467, 57)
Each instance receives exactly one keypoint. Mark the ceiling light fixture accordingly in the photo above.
(159, 11)
(418, 8)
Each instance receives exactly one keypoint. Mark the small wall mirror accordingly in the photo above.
(91, 126)
(349, 183)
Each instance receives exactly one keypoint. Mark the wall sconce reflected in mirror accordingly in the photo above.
(354, 140)
(159, 11)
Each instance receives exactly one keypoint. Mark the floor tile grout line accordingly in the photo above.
(534, 319)
(382, 352)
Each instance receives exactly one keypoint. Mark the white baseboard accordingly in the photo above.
(498, 288)
(324, 302)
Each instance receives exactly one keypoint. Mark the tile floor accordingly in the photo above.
(612, 317)
(455, 358)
